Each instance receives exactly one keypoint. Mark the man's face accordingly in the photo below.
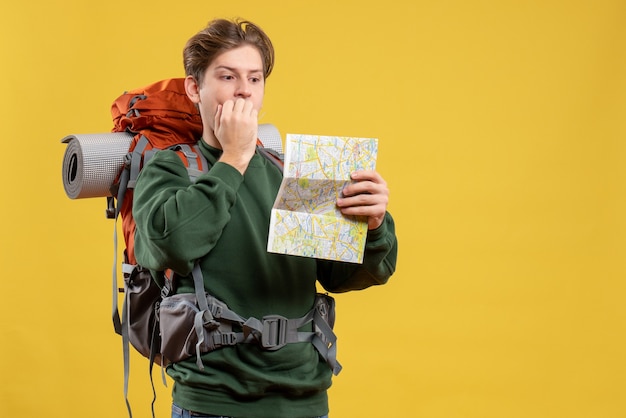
(234, 74)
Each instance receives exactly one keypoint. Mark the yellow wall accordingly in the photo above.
(502, 135)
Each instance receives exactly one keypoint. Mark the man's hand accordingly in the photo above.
(236, 126)
(367, 196)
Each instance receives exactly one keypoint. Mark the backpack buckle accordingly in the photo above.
(224, 338)
(274, 334)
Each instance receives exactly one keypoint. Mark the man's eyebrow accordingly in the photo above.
(234, 70)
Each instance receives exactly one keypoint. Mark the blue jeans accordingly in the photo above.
(178, 412)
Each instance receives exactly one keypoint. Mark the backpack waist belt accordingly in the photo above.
(196, 323)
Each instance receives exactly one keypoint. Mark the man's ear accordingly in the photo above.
(192, 89)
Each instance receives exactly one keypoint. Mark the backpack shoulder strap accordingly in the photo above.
(270, 144)
(193, 159)
(197, 164)
(271, 155)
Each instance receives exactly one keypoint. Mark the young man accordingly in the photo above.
(222, 222)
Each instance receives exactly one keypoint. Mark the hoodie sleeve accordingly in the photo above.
(379, 262)
(167, 207)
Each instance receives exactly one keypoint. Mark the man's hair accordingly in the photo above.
(221, 35)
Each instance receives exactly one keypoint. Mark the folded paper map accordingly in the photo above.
(305, 220)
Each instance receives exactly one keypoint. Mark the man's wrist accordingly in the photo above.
(237, 161)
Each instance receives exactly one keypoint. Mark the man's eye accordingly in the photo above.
(227, 77)
(255, 79)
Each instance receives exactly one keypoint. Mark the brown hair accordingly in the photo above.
(221, 35)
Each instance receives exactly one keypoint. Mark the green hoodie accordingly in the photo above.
(223, 220)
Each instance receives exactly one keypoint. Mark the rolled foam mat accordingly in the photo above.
(92, 161)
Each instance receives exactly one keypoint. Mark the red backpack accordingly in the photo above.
(160, 116)
(156, 117)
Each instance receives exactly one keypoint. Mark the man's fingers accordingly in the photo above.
(371, 175)
(218, 117)
(239, 105)
(364, 187)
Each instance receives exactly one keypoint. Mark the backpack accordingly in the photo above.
(159, 116)
(167, 328)
(162, 326)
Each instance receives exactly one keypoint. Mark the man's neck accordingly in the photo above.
(209, 137)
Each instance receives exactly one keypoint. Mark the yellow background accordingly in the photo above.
(502, 136)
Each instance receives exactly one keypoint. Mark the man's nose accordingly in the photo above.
(243, 89)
